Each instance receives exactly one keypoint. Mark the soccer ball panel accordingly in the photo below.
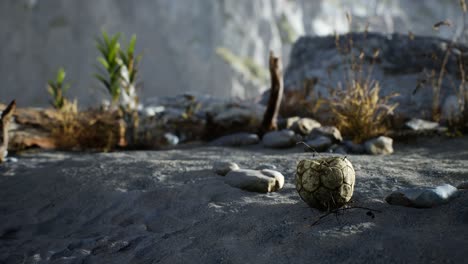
(332, 177)
(310, 180)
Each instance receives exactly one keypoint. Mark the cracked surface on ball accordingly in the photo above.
(326, 183)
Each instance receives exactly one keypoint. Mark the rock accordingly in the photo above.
(237, 139)
(402, 64)
(422, 197)
(338, 149)
(232, 115)
(261, 181)
(229, 117)
(239, 112)
(224, 167)
(304, 126)
(280, 23)
(171, 139)
(279, 139)
(11, 160)
(379, 146)
(328, 131)
(150, 111)
(287, 123)
(420, 125)
(463, 186)
(214, 117)
(353, 147)
(319, 144)
(266, 167)
(326, 183)
(105, 104)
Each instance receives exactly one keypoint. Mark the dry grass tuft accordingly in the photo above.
(91, 129)
(359, 111)
(356, 108)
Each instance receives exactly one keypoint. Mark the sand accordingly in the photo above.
(169, 207)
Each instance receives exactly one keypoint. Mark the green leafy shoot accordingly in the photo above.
(130, 62)
(57, 88)
(109, 48)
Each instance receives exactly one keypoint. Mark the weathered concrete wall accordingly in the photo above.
(178, 38)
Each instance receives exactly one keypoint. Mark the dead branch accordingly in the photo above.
(276, 94)
(336, 211)
(5, 121)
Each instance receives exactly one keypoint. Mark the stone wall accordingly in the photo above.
(180, 39)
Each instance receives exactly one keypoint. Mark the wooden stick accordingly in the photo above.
(336, 211)
(276, 94)
(4, 123)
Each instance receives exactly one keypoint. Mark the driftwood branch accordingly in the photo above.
(276, 94)
(370, 212)
(4, 123)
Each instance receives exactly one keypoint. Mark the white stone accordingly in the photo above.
(171, 139)
(379, 146)
(305, 125)
(261, 181)
(152, 110)
(422, 197)
(419, 124)
(224, 167)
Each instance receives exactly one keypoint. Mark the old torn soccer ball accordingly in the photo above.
(326, 183)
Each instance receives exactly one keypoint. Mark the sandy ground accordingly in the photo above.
(169, 207)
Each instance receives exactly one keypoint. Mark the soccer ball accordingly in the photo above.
(326, 183)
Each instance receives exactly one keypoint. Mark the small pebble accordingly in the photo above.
(379, 146)
(279, 139)
(422, 197)
(262, 181)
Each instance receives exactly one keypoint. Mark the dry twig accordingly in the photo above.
(276, 94)
(336, 211)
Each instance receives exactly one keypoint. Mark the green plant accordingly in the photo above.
(57, 88)
(130, 62)
(109, 48)
(129, 75)
(120, 68)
